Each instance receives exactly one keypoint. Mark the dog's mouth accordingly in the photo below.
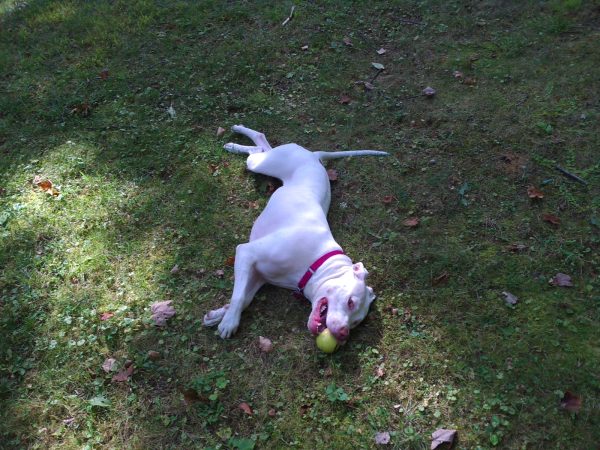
(319, 317)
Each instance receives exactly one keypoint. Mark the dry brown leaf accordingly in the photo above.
(153, 355)
(246, 408)
(220, 131)
(332, 174)
(533, 192)
(517, 248)
(442, 436)
(441, 278)
(470, 81)
(382, 438)
(104, 74)
(411, 222)
(109, 364)
(429, 92)
(265, 344)
(345, 99)
(388, 199)
(509, 298)
(561, 280)
(161, 311)
(106, 315)
(46, 186)
(550, 218)
(571, 402)
(272, 413)
(124, 374)
(230, 262)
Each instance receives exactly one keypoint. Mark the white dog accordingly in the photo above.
(291, 245)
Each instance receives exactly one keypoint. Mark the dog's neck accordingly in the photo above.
(333, 268)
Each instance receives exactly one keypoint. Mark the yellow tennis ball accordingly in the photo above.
(326, 341)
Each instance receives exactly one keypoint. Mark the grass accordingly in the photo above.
(151, 208)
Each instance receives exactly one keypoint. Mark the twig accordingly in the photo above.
(570, 175)
(289, 17)
(376, 75)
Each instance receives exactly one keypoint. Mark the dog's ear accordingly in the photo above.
(370, 295)
(359, 271)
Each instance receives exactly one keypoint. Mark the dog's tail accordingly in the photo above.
(326, 156)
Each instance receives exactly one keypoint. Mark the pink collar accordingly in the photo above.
(313, 268)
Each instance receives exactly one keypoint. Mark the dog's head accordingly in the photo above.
(343, 304)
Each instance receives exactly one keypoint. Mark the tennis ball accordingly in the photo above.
(326, 341)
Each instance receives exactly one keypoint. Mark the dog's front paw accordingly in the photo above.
(235, 128)
(215, 316)
(228, 326)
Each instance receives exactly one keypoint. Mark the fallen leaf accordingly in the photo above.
(109, 365)
(68, 422)
(104, 74)
(388, 199)
(175, 269)
(220, 131)
(100, 401)
(246, 408)
(191, 396)
(381, 51)
(378, 66)
(382, 438)
(83, 109)
(153, 355)
(345, 99)
(517, 248)
(219, 273)
(124, 374)
(561, 280)
(347, 41)
(46, 186)
(441, 278)
(253, 205)
(106, 315)
(230, 262)
(550, 218)
(332, 174)
(171, 111)
(457, 74)
(509, 298)
(571, 402)
(411, 222)
(161, 311)
(429, 92)
(304, 409)
(380, 372)
(272, 413)
(304, 47)
(470, 81)
(533, 192)
(265, 344)
(442, 436)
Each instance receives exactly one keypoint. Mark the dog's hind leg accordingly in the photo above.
(247, 282)
(259, 139)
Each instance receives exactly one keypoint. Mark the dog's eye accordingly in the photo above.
(350, 304)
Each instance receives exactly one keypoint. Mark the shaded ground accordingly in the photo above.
(151, 208)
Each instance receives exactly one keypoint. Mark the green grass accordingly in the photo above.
(142, 192)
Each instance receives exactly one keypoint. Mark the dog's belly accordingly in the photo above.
(291, 207)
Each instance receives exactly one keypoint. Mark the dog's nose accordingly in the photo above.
(343, 333)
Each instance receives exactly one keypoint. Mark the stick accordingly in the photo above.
(289, 17)
(570, 175)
